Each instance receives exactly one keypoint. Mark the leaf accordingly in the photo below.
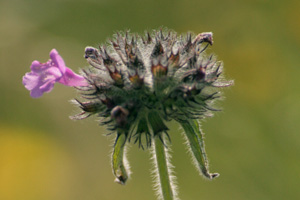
(196, 146)
(118, 166)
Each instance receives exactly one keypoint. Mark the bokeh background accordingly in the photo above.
(254, 143)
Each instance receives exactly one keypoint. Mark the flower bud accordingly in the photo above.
(120, 115)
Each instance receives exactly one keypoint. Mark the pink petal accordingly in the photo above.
(30, 80)
(36, 93)
(57, 60)
(36, 66)
(47, 87)
(53, 72)
(72, 79)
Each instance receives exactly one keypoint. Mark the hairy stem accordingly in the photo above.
(118, 155)
(196, 146)
(162, 169)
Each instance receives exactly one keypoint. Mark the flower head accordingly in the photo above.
(43, 76)
(149, 80)
(138, 83)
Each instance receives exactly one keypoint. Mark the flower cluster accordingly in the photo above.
(137, 83)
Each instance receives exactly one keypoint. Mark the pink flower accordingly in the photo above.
(43, 75)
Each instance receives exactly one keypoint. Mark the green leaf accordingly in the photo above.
(118, 166)
(196, 145)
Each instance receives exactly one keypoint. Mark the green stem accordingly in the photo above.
(196, 145)
(118, 159)
(163, 171)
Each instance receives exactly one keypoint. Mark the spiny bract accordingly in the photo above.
(138, 82)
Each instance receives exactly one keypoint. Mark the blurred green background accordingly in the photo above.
(253, 143)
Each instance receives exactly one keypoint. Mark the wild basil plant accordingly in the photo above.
(135, 84)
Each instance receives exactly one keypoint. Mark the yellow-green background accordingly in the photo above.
(254, 143)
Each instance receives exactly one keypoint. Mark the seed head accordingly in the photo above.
(137, 83)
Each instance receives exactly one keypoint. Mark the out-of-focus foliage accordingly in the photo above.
(254, 143)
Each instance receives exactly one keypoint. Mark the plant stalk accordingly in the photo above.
(162, 169)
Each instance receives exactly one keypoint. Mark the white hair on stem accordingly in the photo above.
(155, 170)
(194, 160)
(126, 162)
